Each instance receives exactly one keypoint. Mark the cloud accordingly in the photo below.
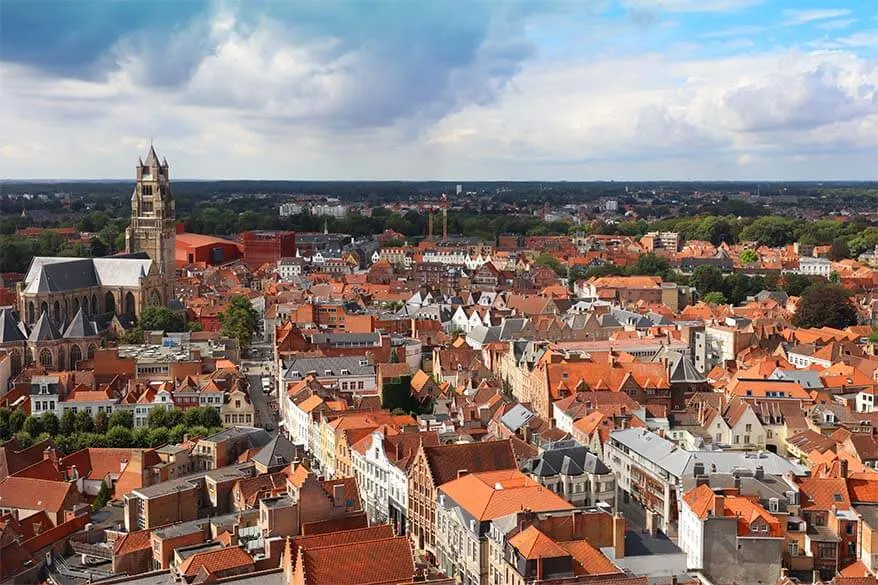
(837, 24)
(797, 17)
(481, 90)
(694, 6)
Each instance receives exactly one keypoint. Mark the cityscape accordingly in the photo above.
(334, 295)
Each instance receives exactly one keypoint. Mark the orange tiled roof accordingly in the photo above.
(387, 560)
(215, 561)
(480, 496)
(532, 544)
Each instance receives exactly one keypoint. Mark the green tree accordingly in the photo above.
(749, 257)
(175, 417)
(715, 298)
(210, 417)
(5, 429)
(825, 306)
(873, 337)
(158, 436)
(16, 420)
(158, 417)
(194, 326)
(51, 424)
(140, 437)
(102, 422)
(707, 279)
(25, 439)
(159, 318)
(839, 249)
(133, 336)
(122, 418)
(652, 265)
(68, 422)
(32, 426)
(772, 231)
(120, 437)
(84, 422)
(240, 319)
(795, 284)
(102, 498)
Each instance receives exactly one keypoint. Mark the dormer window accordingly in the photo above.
(345, 372)
(327, 372)
(295, 373)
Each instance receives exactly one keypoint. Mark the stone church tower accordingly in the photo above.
(152, 229)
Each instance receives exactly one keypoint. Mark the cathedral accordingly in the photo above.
(64, 302)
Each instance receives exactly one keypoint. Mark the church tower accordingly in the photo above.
(152, 229)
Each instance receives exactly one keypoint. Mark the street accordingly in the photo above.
(264, 415)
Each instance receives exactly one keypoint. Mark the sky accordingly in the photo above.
(449, 90)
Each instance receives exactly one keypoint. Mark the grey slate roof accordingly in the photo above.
(808, 379)
(9, 329)
(57, 274)
(356, 366)
(681, 367)
(279, 452)
(44, 330)
(343, 338)
(517, 417)
(679, 462)
(565, 458)
(80, 327)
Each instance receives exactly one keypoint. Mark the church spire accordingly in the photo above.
(152, 159)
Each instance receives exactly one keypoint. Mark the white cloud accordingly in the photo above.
(267, 104)
(796, 17)
(691, 5)
(837, 24)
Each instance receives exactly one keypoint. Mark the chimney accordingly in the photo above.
(619, 526)
(759, 473)
(843, 468)
(51, 454)
(719, 505)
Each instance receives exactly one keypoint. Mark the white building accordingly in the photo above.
(381, 476)
(814, 267)
(290, 268)
(287, 209)
(336, 210)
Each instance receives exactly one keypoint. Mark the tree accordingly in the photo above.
(240, 319)
(25, 439)
(120, 437)
(16, 420)
(5, 430)
(795, 284)
(32, 426)
(160, 318)
(707, 279)
(210, 417)
(652, 265)
(158, 436)
(715, 298)
(825, 306)
(140, 437)
(839, 249)
(133, 336)
(84, 422)
(749, 257)
(102, 498)
(193, 326)
(102, 422)
(158, 417)
(68, 422)
(51, 424)
(122, 418)
(873, 337)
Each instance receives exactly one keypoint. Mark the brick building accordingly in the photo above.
(267, 247)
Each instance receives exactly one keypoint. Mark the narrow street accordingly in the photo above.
(264, 415)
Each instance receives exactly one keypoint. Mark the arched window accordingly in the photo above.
(75, 306)
(44, 308)
(46, 358)
(129, 303)
(90, 352)
(94, 304)
(15, 360)
(30, 313)
(109, 303)
(155, 298)
(56, 312)
(85, 308)
(75, 356)
(62, 364)
(65, 313)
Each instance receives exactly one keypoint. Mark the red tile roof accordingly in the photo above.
(215, 561)
(446, 460)
(492, 494)
(375, 562)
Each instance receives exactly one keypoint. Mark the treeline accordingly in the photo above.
(78, 430)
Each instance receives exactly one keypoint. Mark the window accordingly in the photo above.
(793, 548)
(826, 550)
(748, 428)
(737, 439)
